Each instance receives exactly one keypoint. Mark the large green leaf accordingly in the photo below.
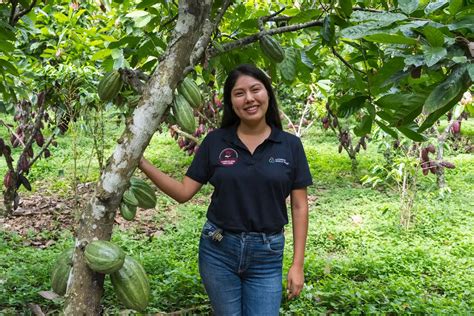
(351, 105)
(408, 6)
(434, 36)
(373, 26)
(390, 39)
(328, 31)
(6, 47)
(433, 117)
(389, 68)
(346, 6)
(365, 126)
(454, 6)
(387, 129)
(434, 55)
(411, 133)
(6, 66)
(445, 92)
(435, 5)
(288, 65)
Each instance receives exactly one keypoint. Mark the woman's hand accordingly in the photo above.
(295, 281)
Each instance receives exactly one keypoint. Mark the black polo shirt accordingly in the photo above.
(250, 191)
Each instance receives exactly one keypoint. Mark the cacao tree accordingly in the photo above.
(400, 66)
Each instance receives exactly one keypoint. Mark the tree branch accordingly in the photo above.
(17, 16)
(255, 37)
(344, 61)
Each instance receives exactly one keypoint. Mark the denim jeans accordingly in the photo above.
(242, 272)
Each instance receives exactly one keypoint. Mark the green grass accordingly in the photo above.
(374, 267)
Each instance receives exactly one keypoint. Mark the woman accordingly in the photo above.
(254, 166)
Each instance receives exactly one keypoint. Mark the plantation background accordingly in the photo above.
(359, 260)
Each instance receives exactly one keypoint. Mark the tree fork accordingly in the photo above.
(85, 287)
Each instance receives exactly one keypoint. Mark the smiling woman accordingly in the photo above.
(253, 166)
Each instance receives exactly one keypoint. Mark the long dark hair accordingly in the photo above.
(229, 118)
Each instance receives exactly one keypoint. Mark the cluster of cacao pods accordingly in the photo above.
(432, 165)
(128, 277)
(139, 194)
(361, 143)
(27, 133)
(326, 121)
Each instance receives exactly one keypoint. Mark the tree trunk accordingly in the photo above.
(84, 286)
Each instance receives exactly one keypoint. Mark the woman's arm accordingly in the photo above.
(299, 213)
(180, 191)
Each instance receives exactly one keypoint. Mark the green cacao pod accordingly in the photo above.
(110, 86)
(272, 49)
(190, 91)
(61, 270)
(103, 256)
(131, 285)
(128, 211)
(143, 192)
(183, 113)
(129, 198)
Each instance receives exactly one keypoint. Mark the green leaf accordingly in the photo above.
(408, 6)
(6, 47)
(328, 31)
(61, 18)
(351, 106)
(434, 54)
(434, 36)
(364, 127)
(387, 129)
(8, 67)
(447, 90)
(389, 68)
(376, 22)
(412, 134)
(397, 100)
(470, 70)
(465, 23)
(390, 39)
(454, 6)
(346, 6)
(288, 65)
(433, 117)
(6, 32)
(435, 5)
(101, 54)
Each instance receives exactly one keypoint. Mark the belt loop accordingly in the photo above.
(264, 237)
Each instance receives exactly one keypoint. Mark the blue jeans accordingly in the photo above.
(242, 272)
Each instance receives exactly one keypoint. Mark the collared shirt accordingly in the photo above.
(250, 190)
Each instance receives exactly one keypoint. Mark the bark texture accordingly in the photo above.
(85, 287)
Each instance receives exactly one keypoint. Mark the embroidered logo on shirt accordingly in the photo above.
(278, 160)
(228, 157)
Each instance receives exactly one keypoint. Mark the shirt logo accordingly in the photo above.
(278, 160)
(228, 157)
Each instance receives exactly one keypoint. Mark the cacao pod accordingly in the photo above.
(431, 148)
(143, 192)
(190, 90)
(447, 164)
(61, 270)
(131, 285)
(128, 211)
(272, 49)
(9, 179)
(23, 180)
(103, 256)
(183, 113)
(129, 198)
(110, 86)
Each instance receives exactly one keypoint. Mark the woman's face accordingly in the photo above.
(249, 99)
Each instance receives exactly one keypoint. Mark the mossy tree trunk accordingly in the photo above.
(85, 287)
